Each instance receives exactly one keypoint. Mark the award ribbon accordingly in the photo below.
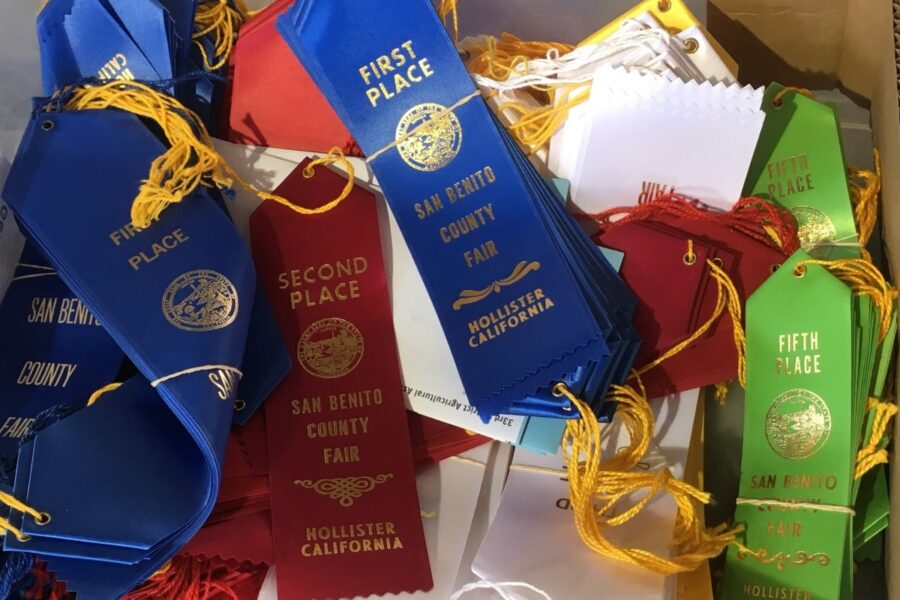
(810, 378)
(127, 34)
(176, 297)
(799, 164)
(61, 355)
(341, 408)
(508, 279)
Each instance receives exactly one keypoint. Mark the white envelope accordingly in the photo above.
(533, 537)
(433, 386)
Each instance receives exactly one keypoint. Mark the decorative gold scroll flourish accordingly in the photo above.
(780, 558)
(472, 296)
(344, 489)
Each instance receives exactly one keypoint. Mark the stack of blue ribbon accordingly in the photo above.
(128, 40)
(109, 494)
(524, 297)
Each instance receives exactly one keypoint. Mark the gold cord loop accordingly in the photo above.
(191, 160)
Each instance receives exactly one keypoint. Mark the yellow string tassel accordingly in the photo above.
(875, 453)
(218, 19)
(448, 7)
(191, 160)
(863, 278)
(727, 299)
(598, 486)
(501, 58)
(536, 125)
(721, 392)
(865, 200)
(14, 503)
(109, 387)
(778, 100)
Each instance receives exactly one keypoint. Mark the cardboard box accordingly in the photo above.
(820, 44)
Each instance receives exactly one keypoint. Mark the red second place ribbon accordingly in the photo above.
(345, 511)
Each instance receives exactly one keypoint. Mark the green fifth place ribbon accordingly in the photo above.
(811, 350)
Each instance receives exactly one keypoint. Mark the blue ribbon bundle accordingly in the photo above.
(59, 353)
(143, 40)
(116, 489)
(150, 40)
(523, 296)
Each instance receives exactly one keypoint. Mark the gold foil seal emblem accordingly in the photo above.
(330, 348)
(797, 424)
(813, 227)
(201, 300)
(436, 140)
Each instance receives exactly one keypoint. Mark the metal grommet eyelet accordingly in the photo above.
(558, 390)
(799, 271)
(24, 537)
(777, 102)
(691, 45)
(44, 519)
(308, 173)
(689, 258)
(47, 125)
(239, 405)
(664, 5)
(718, 262)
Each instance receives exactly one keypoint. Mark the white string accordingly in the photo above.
(499, 587)
(646, 48)
(20, 277)
(796, 505)
(31, 266)
(199, 369)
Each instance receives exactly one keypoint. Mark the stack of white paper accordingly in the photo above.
(688, 56)
(648, 135)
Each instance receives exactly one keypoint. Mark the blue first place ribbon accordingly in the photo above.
(524, 298)
(127, 481)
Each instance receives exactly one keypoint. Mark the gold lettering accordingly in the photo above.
(480, 253)
(16, 427)
(47, 374)
(337, 428)
(157, 248)
(43, 310)
(346, 454)
(225, 382)
(396, 67)
(307, 406)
